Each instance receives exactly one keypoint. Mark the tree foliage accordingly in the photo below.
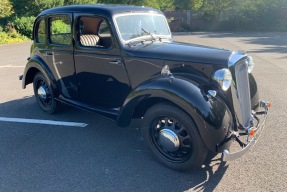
(157, 4)
(73, 2)
(20, 14)
(24, 25)
(33, 7)
(207, 8)
(188, 4)
(214, 8)
(6, 8)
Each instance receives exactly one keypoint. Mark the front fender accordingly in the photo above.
(34, 65)
(211, 115)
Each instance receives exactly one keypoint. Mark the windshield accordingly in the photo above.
(138, 25)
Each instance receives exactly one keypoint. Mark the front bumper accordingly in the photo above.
(252, 134)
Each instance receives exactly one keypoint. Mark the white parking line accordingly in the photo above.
(46, 122)
(11, 66)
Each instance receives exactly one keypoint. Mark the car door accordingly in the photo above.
(101, 74)
(59, 53)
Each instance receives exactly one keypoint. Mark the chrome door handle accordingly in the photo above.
(49, 53)
(117, 62)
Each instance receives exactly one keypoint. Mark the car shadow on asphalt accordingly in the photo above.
(214, 169)
(99, 157)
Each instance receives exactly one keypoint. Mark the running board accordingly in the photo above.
(109, 113)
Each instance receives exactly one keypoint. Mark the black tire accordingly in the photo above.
(45, 99)
(164, 123)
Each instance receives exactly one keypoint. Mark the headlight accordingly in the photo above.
(224, 78)
(250, 64)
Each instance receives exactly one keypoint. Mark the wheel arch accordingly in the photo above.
(188, 97)
(141, 109)
(35, 65)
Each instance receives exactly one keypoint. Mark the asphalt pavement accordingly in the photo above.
(100, 156)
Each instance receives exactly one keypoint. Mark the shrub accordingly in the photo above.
(24, 25)
(60, 27)
(9, 38)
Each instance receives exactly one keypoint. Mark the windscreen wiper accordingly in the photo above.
(147, 32)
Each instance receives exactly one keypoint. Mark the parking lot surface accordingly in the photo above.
(78, 151)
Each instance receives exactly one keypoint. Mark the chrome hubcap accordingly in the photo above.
(169, 140)
(42, 93)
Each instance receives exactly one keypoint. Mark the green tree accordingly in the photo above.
(33, 7)
(188, 4)
(233, 14)
(24, 25)
(6, 8)
(157, 4)
(164, 4)
(124, 2)
(213, 8)
(73, 2)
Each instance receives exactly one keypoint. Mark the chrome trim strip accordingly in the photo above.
(232, 156)
(235, 57)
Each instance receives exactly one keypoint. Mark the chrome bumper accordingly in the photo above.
(251, 140)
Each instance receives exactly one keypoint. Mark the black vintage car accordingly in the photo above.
(121, 62)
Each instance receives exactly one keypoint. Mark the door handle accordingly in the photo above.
(49, 53)
(117, 62)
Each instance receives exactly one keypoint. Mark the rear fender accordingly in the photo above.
(211, 115)
(34, 65)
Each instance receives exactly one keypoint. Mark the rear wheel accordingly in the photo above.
(44, 94)
(173, 138)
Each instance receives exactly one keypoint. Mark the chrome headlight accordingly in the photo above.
(224, 78)
(250, 64)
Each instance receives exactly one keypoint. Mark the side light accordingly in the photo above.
(165, 71)
(250, 64)
(251, 132)
(224, 78)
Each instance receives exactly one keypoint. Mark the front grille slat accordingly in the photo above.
(243, 92)
(240, 88)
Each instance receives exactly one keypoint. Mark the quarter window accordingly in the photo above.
(40, 33)
(60, 30)
(104, 29)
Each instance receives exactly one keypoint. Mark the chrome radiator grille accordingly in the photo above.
(241, 92)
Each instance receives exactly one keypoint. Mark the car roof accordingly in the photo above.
(99, 8)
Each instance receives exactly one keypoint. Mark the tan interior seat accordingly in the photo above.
(89, 40)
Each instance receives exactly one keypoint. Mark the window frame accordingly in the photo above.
(49, 21)
(115, 16)
(78, 33)
(99, 27)
(36, 33)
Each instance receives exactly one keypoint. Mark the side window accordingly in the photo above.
(104, 29)
(94, 32)
(60, 30)
(40, 32)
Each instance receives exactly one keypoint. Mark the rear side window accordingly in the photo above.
(40, 32)
(60, 30)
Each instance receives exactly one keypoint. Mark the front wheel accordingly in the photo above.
(44, 94)
(173, 138)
